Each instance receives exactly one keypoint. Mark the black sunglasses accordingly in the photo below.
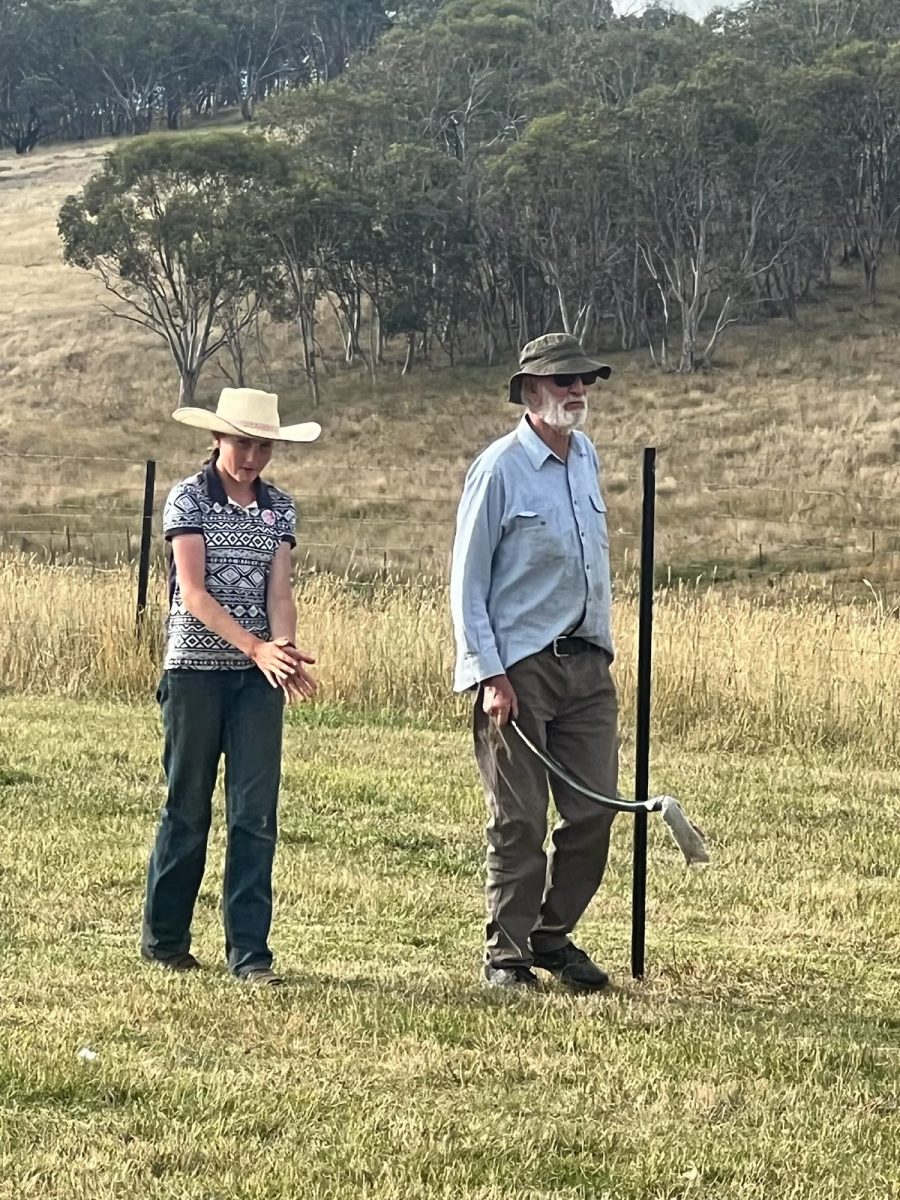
(566, 381)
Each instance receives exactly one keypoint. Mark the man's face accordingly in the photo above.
(561, 402)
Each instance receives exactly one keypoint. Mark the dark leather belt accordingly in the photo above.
(563, 647)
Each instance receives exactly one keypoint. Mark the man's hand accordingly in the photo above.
(499, 700)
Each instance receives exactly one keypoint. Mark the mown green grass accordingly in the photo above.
(759, 1058)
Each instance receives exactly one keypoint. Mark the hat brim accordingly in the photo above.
(569, 366)
(202, 418)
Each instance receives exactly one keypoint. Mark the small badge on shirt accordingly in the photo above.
(268, 516)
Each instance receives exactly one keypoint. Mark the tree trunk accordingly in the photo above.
(347, 311)
(187, 388)
(376, 346)
(870, 267)
(410, 352)
(688, 363)
(357, 315)
(628, 318)
(235, 345)
(307, 324)
(825, 260)
(488, 333)
(724, 320)
(28, 133)
(563, 310)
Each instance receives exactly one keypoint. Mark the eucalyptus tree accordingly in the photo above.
(427, 248)
(171, 226)
(343, 134)
(33, 98)
(848, 103)
(619, 59)
(869, 129)
(333, 31)
(797, 32)
(693, 157)
(304, 231)
(250, 43)
(561, 186)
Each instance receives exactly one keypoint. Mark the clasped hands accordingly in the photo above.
(283, 665)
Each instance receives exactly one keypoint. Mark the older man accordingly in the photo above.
(530, 597)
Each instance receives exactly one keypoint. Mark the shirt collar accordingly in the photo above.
(536, 448)
(216, 491)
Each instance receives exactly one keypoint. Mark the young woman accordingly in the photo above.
(231, 664)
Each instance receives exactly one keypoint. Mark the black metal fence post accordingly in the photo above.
(146, 541)
(642, 738)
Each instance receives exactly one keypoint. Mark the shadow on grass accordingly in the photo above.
(10, 777)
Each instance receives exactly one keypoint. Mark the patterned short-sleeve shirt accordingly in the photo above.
(240, 545)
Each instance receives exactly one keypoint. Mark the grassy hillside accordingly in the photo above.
(790, 410)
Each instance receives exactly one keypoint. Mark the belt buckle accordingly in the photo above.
(555, 649)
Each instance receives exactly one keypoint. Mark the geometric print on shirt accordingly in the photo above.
(240, 544)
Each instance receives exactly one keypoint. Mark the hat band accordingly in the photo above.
(253, 424)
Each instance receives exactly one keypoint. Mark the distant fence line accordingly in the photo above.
(707, 529)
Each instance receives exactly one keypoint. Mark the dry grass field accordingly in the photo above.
(733, 672)
(783, 457)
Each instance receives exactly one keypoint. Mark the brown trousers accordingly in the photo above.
(568, 707)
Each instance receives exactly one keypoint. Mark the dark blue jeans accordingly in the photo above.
(207, 714)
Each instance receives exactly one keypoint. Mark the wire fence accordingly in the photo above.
(362, 520)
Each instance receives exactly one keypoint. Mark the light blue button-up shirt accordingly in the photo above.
(531, 554)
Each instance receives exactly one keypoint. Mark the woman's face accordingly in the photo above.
(243, 458)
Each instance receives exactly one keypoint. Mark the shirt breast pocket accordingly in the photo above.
(527, 521)
(533, 537)
(599, 509)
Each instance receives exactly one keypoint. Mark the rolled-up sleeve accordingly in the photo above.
(183, 512)
(478, 528)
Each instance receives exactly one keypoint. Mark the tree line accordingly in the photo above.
(98, 68)
(487, 169)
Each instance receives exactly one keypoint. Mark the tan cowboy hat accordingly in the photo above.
(248, 412)
(554, 354)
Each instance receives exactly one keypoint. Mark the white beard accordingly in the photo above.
(553, 412)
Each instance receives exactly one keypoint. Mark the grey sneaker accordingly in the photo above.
(572, 968)
(521, 979)
(261, 977)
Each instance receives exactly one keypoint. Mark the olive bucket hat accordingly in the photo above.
(554, 354)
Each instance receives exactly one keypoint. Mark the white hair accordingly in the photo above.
(533, 393)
